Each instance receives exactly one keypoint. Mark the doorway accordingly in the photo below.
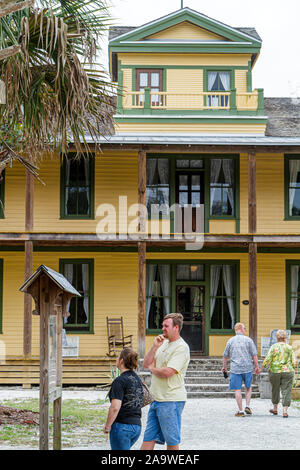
(190, 198)
(190, 303)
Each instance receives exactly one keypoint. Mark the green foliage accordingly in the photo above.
(55, 92)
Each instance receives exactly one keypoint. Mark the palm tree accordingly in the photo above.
(54, 94)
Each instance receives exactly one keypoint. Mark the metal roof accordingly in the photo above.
(198, 139)
(56, 277)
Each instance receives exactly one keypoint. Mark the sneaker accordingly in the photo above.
(240, 414)
(248, 410)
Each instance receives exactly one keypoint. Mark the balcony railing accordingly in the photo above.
(226, 100)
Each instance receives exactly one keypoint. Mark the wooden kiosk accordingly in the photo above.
(51, 292)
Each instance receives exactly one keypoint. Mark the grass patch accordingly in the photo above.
(82, 424)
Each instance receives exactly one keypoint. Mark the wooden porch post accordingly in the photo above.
(252, 247)
(27, 339)
(142, 255)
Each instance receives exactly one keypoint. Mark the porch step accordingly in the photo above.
(76, 371)
(204, 379)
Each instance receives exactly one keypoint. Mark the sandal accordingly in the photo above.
(285, 415)
(273, 412)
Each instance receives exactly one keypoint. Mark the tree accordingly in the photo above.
(54, 94)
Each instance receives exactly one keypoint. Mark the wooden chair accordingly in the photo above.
(115, 334)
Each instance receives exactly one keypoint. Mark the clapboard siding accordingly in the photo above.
(185, 30)
(185, 59)
(190, 127)
(14, 199)
(115, 175)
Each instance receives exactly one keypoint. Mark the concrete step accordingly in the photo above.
(205, 380)
(211, 387)
(204, 373)
(228, 394)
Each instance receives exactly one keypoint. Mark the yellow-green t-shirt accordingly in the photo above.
(177, 356)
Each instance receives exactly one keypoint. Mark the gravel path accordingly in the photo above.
(209, 424)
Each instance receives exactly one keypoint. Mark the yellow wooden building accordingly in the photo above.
(216, 165)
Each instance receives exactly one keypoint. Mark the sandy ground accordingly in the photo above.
(207, 424)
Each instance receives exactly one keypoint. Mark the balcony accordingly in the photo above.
(154, 102)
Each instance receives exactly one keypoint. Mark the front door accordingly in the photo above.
(190, 303)
(190, 197)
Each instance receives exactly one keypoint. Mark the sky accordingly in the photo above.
(276, 21)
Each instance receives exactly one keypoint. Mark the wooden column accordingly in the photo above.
(252, 247)
(27, 340)
(58, 402)
(142, 255)
(141, 298)
(44, 360)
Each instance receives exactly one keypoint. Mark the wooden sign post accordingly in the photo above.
(51, 292)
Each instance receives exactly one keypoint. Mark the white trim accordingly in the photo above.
(182, 41)
(186, 116)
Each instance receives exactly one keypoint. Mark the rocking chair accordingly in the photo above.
(116, 339)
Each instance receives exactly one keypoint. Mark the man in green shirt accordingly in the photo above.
(167, 360)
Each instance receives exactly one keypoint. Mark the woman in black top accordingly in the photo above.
(126, 396)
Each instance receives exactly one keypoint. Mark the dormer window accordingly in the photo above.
(218, 82)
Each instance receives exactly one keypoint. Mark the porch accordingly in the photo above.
(93, 370)
(148, 101)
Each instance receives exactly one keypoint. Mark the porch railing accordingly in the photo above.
(227, 100)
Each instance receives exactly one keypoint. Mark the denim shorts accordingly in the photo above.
(164, 422)
(236, 380)
(123, 436)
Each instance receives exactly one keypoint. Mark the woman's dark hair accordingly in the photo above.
(130, 358)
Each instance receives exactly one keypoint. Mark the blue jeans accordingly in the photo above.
(164, 422)
(123, 436)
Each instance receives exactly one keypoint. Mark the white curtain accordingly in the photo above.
(195, 299)
(151, 272)
(151, 167)
(229, 288)
(85, 285)
(214, 284)
(229, 176)
(225, 79)
(211, 79)
(294, 169)
(212, 99)
(68, 273)
(165, 282)
(215, 168)
(294, 289)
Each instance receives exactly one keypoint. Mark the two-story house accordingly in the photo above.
(216, 167)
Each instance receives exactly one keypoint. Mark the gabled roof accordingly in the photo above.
(227, 37)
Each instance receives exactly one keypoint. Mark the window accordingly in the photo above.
(157, 186)
(222, 296)
(80, 274)
(218, 82)
(77, 187)
(152, 79)
(293, 296)
(293, 168)
(222, 187)
(158, 294)
(2, 183)
(190, 272)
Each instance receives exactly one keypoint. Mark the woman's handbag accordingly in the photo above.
(148, 398)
